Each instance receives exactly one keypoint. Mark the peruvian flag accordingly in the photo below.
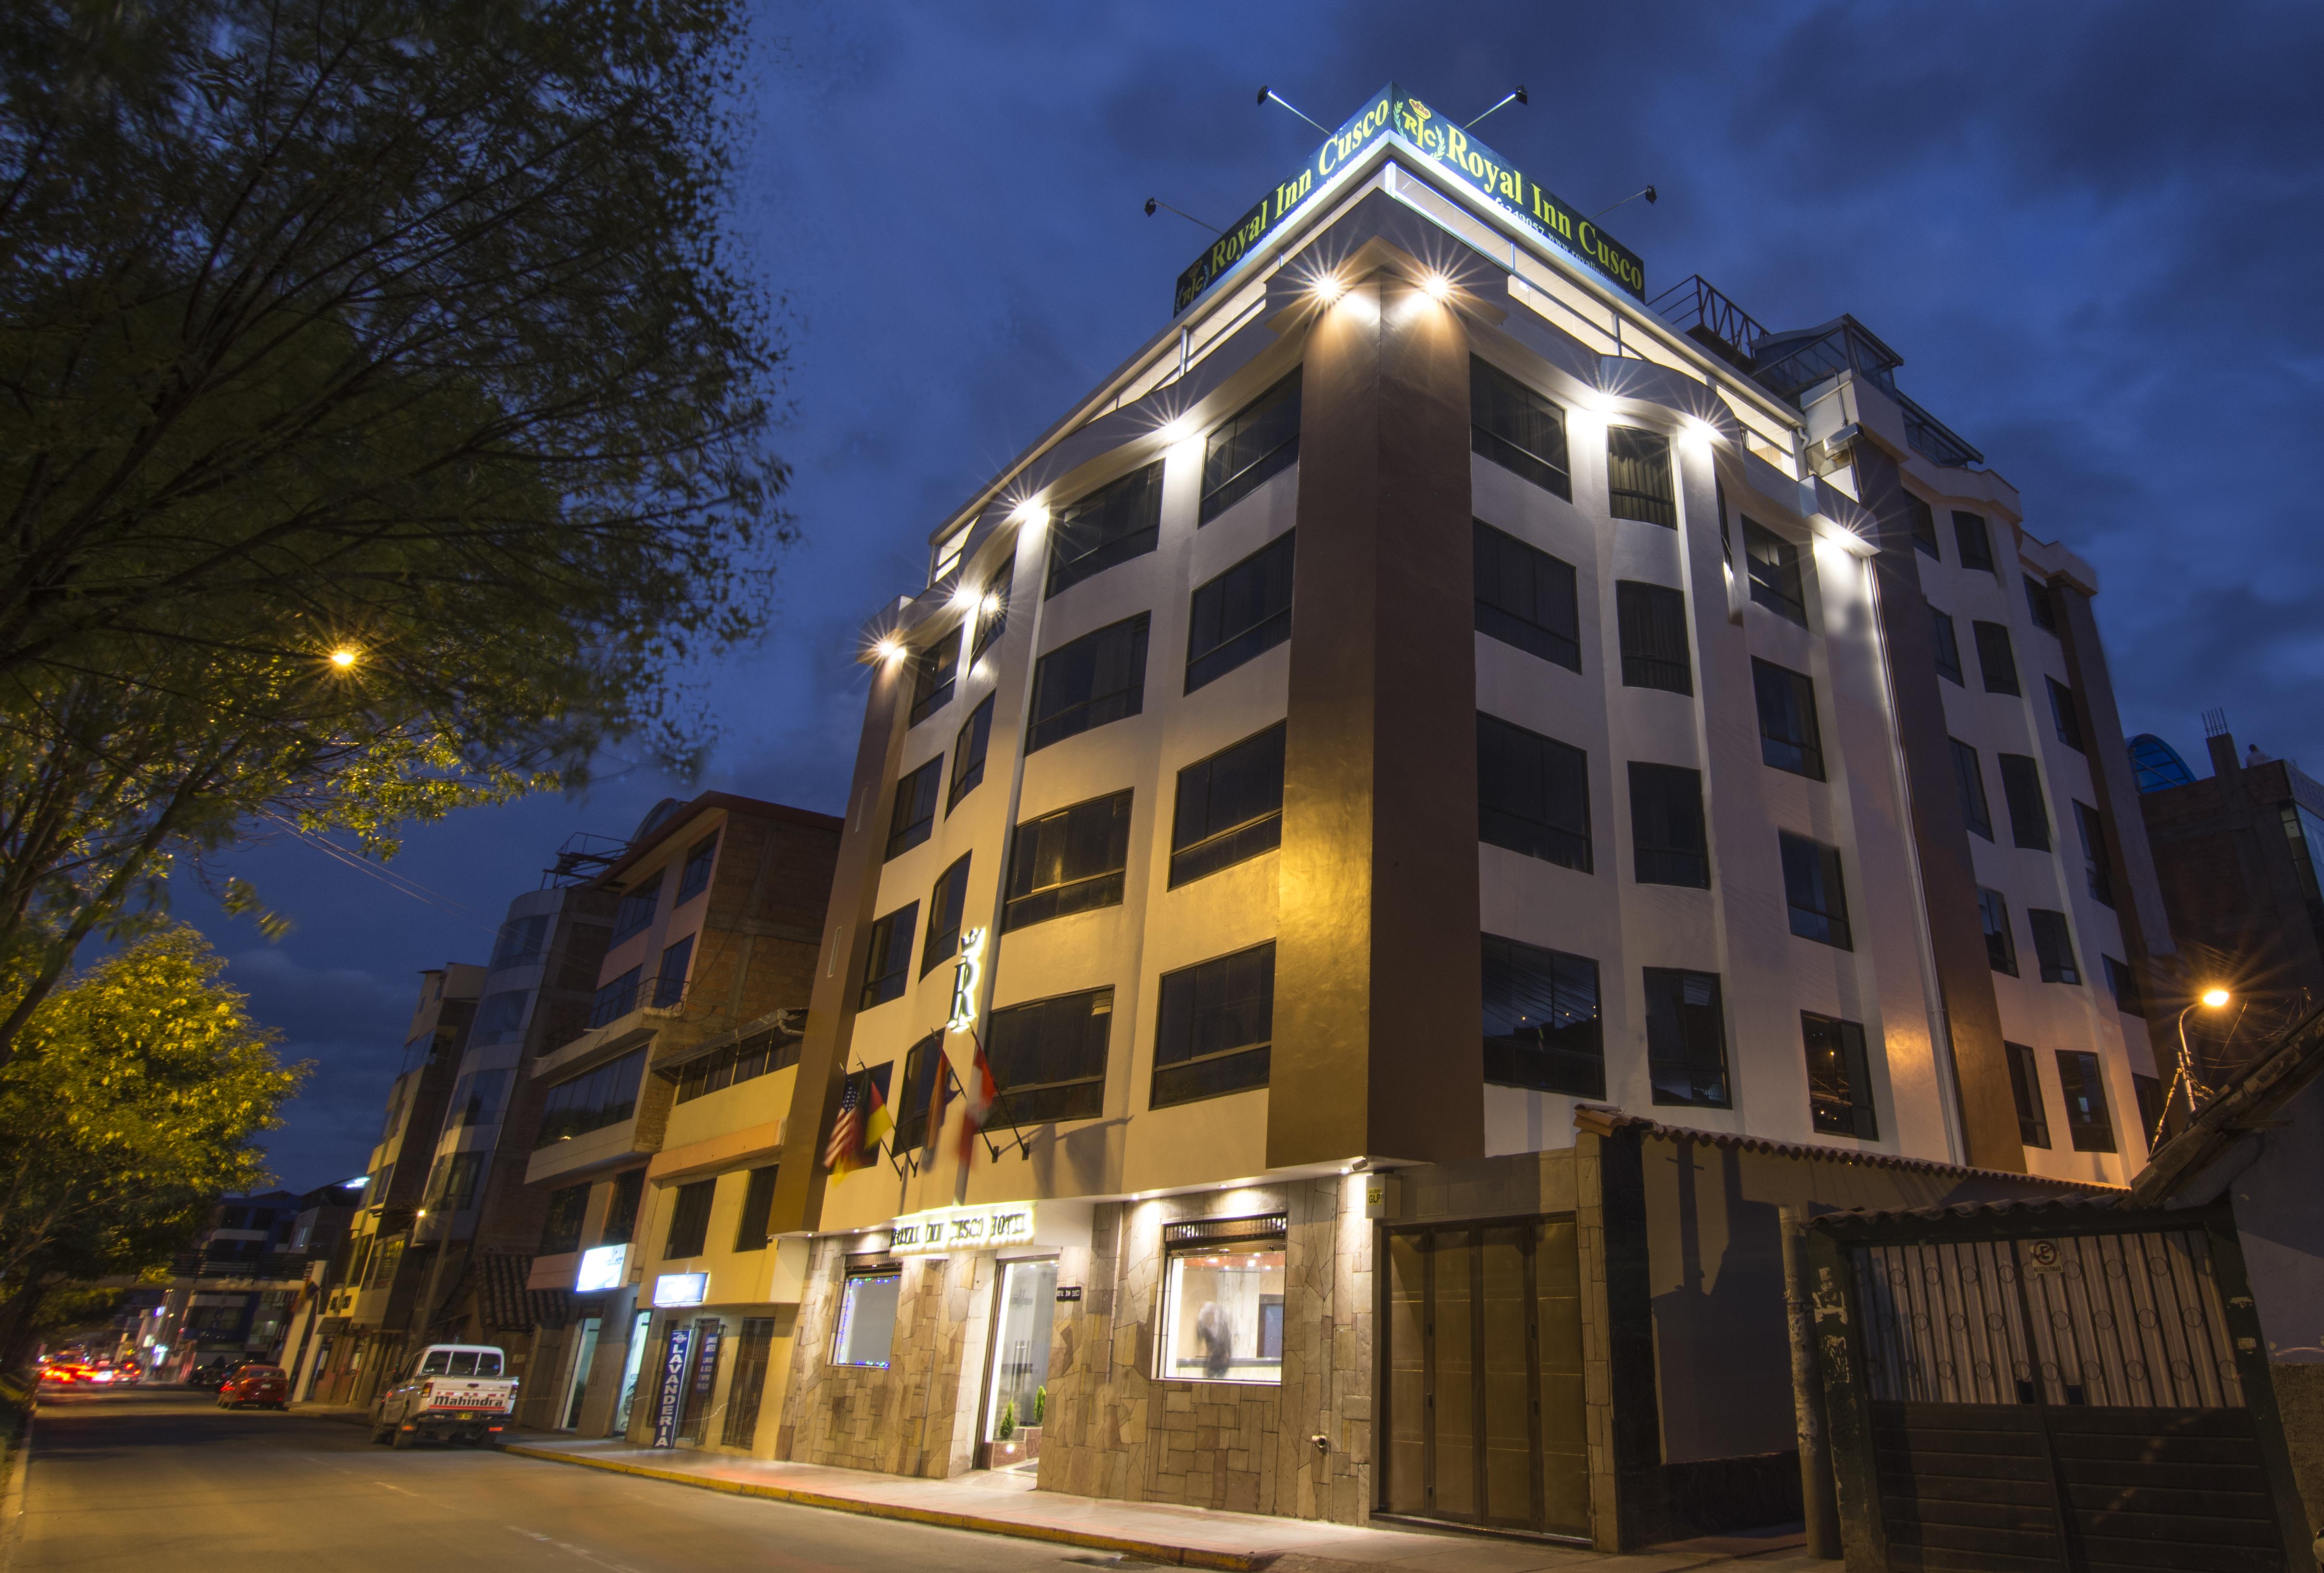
(976, 1099)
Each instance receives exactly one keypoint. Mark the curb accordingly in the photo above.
(1124, 1545)
(18, 1461)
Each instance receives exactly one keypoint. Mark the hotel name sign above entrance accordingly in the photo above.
(1393, 112)
(976, 1229)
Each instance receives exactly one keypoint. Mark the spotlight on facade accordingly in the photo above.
(1178, 430)
(1327, 290)
(1437, 287)
(888, 648)
(2214, 997)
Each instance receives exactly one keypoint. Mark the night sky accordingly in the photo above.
(2093, 233)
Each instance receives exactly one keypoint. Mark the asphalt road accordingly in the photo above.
(159, 1479)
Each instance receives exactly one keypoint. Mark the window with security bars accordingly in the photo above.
(1686, 1038)
(2064, 718)
(1241, 614)
(1789, 738)
(690, 1219)
(753, 1355)
(1518, 428)
(1097, 678)
(936, 671)
(1651, 620)
(914, 815)
(1533, 793)
(2096, 877)
(968, 751)
(758, 1207)
(1813, 891)
(2025, 1090)
(1543, 1028)
(947, 908)
(1066, 862)
(1258, 441)
(1216, 1028)
(1994, 658)
(1973, 540)
(1048, 1057)
(1109, 527)
(1947, 649)
(1230, 808)
(1667, 842)
(1839, 1077)
(2054, 942)
(1977, 813)
(887, 960)
(2029, 811)
(1923, 521)
(2089, 1124)
(1526, 597)
(1639, 476)
(1774, 567)
(2000, 943)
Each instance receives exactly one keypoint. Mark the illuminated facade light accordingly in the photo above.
(343, 658)
(1437, 287)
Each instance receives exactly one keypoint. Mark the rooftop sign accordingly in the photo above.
(1392, 112)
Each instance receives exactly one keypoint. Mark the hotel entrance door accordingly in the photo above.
(1015, 1399)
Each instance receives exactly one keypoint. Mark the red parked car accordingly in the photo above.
(263, 1385)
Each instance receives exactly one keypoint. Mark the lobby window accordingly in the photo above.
(1839, 1077)
(1813, 891)
(1652, 623)
(1686, 1038)
(560, 1231)
(694, 878)
(2088, 1124)
(1638, 480)
(1518, 428)
(2000, 941)
(669, 978)
(1216, 1028)
(993, 610)
(916, 1095)
(1099, 677)
(1241, 614)
(616, 999)
(1526, 597)
(1973, 540)
(1667, 843)
(1109, 526)
(1542, 1023)
(915, 813)
(1946, 648)
(2041, 602)
(867, 1318)
(2063, 716)
(2095, 874)
(1789, 738)
(1222, 1295)
(1994, 658)
(758, 1206)
(690, 1219)
(888, 961)
(1259, 441)
(1923, 521)
(1048, 1057)
(1775, 564)
(2029, 813)
(2054, 942)
(1533, 793)
(1068, 861)
(947, 908)
(968, 751)
(636, 912)
(1968, 775)
(934, 672)
(1230, 808)
(2026, 1088)
(2123, 983)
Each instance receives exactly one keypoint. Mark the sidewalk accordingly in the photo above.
(1005, 1504)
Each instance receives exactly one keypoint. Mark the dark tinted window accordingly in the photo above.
(1071, 861)
(1775, 564)
(2064, 714)
(1975, 543)
(1995, 659)
(560, 1231)
(1686, 1038)
(2087, 1121)
(968, 753)
(1840, 1078)
(1789, 738)
(622, 1207)
(933, 670)
(592, 1100)
(758, 1206)
(1048, 1057)
(1666, 835)
(695, 878)
(616, 999)
(992, 609)
(1099, 677)
(1923, 521)
(1948, 648)
(2000, 942)
(759, 1054)
(888, 965)
(1968, 775)
(1652, 620)
(689, 1218)
(1261, 441)
(1526, 597)
(1230, 808)
(1814, 892)
(1217, 1027)
(1542, 1024)
(2039, 603)
(2025, 1087)
(669, 978)
(1518, 428)
(637, 909)
(2054, 942)
(916, 1095)
(2124, 984)
(1241, 613)
(1638, 483)
(2094, 855)
(948, 907)
(2029, 813)
(914, 814)
(1533, 793)
(1110, 525)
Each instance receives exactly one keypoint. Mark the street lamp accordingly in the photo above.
(2210, 999)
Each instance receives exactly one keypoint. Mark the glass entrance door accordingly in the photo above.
(577, 1382)
(1015, 1400)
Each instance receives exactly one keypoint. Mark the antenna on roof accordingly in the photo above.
(1154, 202)
(2214, 723)
(1648, 194)
(1517, 98)
(1267, 93)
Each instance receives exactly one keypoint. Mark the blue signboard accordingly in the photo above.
(671, 1400)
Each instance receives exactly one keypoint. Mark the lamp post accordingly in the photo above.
(2210, 999)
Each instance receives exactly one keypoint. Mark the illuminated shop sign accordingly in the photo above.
(965, 973)
(601, 1267)
(681, 1289)
(980, 1228)
(1392, 112)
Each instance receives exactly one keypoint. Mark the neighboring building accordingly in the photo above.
(1424, 697)
(234, 1294)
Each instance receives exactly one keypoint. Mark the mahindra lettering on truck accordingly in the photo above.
(453, 1391)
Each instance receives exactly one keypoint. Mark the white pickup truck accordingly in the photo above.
(452, 1391)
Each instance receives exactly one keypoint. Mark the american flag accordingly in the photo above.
(844, 1154)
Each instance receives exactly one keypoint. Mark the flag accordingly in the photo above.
(844, 1153)
(940, 1080)
(877, 1121)
(977, 1097)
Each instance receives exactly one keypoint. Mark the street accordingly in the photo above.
(160, 1479)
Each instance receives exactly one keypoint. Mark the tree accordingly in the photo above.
(382, 422)
(135, 1104)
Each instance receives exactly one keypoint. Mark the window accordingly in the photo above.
(993, 610)
(2087, 1122)
(1923, 521)
(2063, 716)
(759, 1054)
(888, 965)
(2039, 601)
(1813, 891)
(628, 1195)
(453, 1187)
(1542, 1024)
(1972, 541)
(914, 815)
(968, 753)
(616, 999)
(521, 941)
(696, 877)
(1666, 838)
(1526, 597)
(2305, 835)
(1995, 659)
(924, 1065)
(1222, 1291)
(1840, 1081)
(1241, 614)
(2000, 942)
(948, 553)
(592, 1100)
(2123, 983)
(1686, 1038)
(499, 1018)
(1775, 565)
(1639, 476)
(476, 1101)
(1533, 793)
(1217, 1027)
(1230, 808)
(1948, 648)
(933, 670)
(637, 909)
(1789, 738)
(2054, 942)
(1652, 620)
(669, 979)
(1518, 428)
(867, 1319)
(1098, 677)
(560, 1231)
(1977, 813)
(1071, 861)
(1048, 1057)
(2029, 814)
(1110, 525)
(690, 1219)
(758, 1207)
(2094, 855)
(1261, 442)
(947, 906)
(2025, 1087)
